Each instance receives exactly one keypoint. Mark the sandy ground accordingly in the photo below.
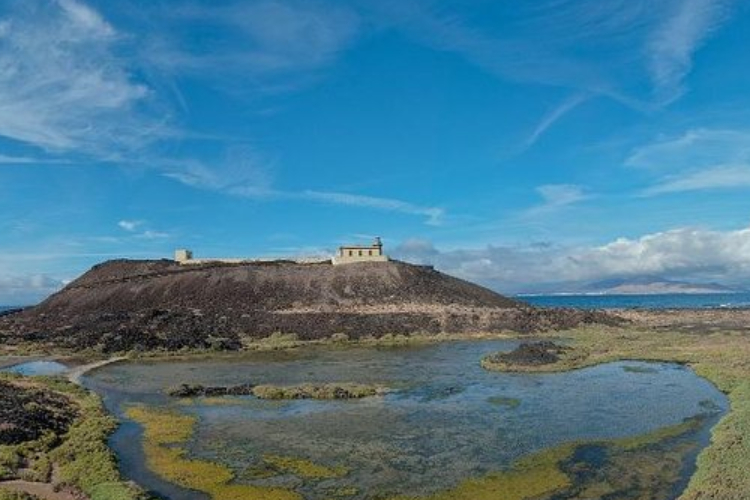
(43, 490)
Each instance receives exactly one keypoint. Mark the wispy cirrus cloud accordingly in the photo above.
(63, 86)
(29, 160)
(139, 229)
(695, 148)
(555, 114)
(698, 159)
(246, 173)
(434, 215)
(719, 177)
(555, 197)
(263, 43)
(675, 41)
(646, 49)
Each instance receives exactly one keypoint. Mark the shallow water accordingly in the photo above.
(33, 368)
(447, 419)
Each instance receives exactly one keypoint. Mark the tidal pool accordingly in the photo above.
(445, 421)
(36, 368)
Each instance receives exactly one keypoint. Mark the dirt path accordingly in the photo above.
(44, 491)
(75, 374)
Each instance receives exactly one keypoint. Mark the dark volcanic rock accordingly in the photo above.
(196, 390)
(26, 413)
(532, 354)
(122, 305)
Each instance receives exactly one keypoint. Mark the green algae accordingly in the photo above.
(165, 434)
(639, 369)
(531, 477)
(639, 467)
(303, 468)
(504, 401)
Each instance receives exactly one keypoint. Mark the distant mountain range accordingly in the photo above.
(644, 285)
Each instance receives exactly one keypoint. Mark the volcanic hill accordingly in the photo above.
(159, 304)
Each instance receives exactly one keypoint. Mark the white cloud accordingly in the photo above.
(62, 86)
(27, 160)
(556, 114)
(245, 173)
(694, 149)
(720, 177)
(28, 289)
(264, 40)
(687, 254)
(130, 225)
(242, 172)
(673, 44)
(556, 197)
(134, 227)
(643, 42)
(699, 159)
(434, 215)
(150, 234)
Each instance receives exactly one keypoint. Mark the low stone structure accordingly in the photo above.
(184, 256)
(347, 254)
(350, 254)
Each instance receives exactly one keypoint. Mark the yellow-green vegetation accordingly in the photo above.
(165, 434)
(80, 456)
(530, 478)
(318, 391)
(504, 401)
(15, 495)
(644, 466)
(303, 468)
(343, 492)
(722, 357)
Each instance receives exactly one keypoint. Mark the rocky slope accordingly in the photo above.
(124, 304)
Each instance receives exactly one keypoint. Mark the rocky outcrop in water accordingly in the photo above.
(531, 354)
(158, 304)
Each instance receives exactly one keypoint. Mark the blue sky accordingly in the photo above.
(525, 145)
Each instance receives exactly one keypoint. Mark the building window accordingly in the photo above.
(360, 253)
(369, 252)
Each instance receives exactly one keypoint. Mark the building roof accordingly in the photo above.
(361, 247)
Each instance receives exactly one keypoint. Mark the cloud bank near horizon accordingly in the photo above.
(699, 255)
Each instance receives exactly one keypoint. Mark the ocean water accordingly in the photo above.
(653, 301)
